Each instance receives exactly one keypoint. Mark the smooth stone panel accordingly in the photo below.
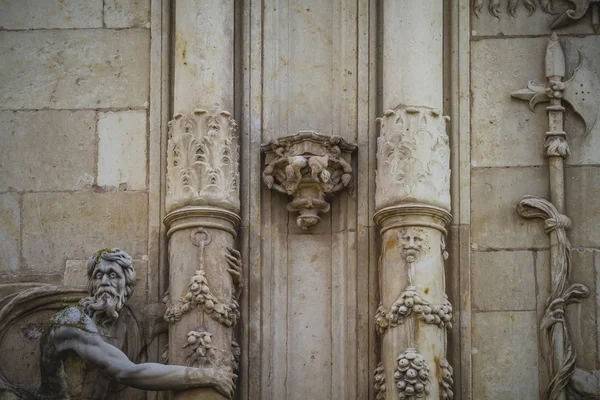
(61, 226)
(583, 205)
(122, 149)
(50, 14)
(127, 13)
(504, 130)
(47, 150)
(503, 280)
(309, 317)
(495, 193)
(505, 356)
(74, 68)
(10, 232)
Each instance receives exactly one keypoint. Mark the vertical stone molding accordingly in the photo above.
(202, 196)
(412, 200)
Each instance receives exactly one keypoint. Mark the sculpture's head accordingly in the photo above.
(111, 280)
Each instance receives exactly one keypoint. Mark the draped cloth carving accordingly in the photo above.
(562, 294)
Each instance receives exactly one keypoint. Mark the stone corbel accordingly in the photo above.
(309, 167)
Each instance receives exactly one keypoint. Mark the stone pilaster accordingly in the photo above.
(202, 197)
(413, 208)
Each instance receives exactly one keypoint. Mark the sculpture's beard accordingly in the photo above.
(104, 306)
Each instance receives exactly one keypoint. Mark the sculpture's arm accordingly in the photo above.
(148, 376)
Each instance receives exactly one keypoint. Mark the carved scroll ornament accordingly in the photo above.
(413, 158)
(202, 161)
(308, 166)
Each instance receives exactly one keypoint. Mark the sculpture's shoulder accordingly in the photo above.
(74, 317)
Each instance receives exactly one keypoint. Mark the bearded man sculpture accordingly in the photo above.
(81, 346)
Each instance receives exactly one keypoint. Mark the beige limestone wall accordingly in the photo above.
(80, 126)
(510, 262)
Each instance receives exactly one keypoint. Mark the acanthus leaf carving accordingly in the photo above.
(310, 167)
(202, 160)
(413, 158)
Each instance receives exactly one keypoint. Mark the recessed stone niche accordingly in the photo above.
(310, 167)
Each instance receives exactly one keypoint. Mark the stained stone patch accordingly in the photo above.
(50, 14)
(127, 13)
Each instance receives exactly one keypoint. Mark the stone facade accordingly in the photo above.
(88, 160)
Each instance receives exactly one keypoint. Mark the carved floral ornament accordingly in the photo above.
(202, 160)
(310, 167)
(413, 158)
(569, 11)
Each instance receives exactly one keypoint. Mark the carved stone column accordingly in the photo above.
(413, 208)
(202, 199)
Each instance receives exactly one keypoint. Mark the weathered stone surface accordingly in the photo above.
(495, 193)
(122, 149)
(504, 130)
(582, 317)
(48, 14)
(503, 280)
(46, 150)
(126, 13)
(505, 356)
(10, 232)
(60, 226)
(583, 205)
(75, 273)
(74, 69)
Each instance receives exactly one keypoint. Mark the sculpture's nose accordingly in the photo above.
(105, 281)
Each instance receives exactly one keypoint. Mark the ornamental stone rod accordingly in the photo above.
(202, 196)
(412, 200)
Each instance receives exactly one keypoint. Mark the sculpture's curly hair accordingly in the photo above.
(120, 257)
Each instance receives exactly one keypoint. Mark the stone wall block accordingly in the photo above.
(10, 233)
(505, 356)
(122, 149)
(50, 14)
(127, 13)
(59, 226)
(495, 193)
(47, 150)
(74, 69)
(504, 130)
(582, 186)
(503, 280)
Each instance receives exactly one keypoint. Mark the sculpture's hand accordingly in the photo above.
(234, 261)
(222, 381)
